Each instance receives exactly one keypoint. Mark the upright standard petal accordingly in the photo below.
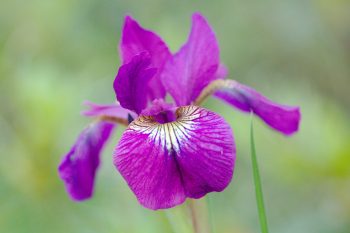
(135, 40)
(165, 163)
(221, 72)
(194, 66)
(78, 167)
(282, 118)
(131, 83)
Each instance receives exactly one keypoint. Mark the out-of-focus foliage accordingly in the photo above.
(55, 54)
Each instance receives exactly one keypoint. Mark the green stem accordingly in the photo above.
(178, 220)
(198, 210)
(210, 214)
(257, 183)
(194, 216)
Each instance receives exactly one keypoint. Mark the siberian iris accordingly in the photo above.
(170, 150)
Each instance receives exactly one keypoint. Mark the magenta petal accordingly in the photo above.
(221, 72)
(165, 163)
(282, 118)
(131, 83)
(109, 110)
(194, 66)
(78, 167)
(157, 106)
(135, 40)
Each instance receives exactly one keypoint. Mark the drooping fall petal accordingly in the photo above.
(131, 83)
(78, 167)
(282, 118)
(194, 66)
(108, 110)
(165, 163)
(135, 40)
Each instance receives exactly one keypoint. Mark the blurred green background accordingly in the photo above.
(55, 54)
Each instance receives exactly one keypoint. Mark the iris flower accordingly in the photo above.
(170, 150)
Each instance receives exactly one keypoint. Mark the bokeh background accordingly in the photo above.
(56, 54)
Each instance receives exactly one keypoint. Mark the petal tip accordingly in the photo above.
(129, 21)
(198, 18)
(197, 15)
(294, 122)
(162, 206)
(79, 166)
(65, 171)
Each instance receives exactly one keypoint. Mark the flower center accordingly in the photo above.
(165, 116)
(161, 112)
(168, 128)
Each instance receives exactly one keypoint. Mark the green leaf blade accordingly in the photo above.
(257, 183)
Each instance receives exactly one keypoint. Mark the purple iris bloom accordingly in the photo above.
(169, 151)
